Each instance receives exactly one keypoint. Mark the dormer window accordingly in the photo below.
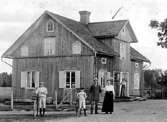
(50, 26)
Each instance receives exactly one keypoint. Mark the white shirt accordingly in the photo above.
(110, 88)
(82, 96)
(42, 91)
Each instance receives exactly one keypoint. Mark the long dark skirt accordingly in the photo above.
(123, 91)
(108, 105)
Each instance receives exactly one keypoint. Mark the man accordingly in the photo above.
(95, 91)
(42, 92)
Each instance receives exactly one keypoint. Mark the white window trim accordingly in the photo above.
(49, 45)
(50, 22)
(77, 79)
(26, 79)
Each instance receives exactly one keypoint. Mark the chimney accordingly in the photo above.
(84, 17)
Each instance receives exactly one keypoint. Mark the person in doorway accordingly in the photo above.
(95, 91)
(108, 102)
(123, 87)
(42, 92)
(82, 101)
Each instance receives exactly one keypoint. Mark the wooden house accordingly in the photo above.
(66, 54)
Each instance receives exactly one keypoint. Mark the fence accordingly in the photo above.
(5, 92)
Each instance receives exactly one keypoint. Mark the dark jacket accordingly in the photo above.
(94, 92)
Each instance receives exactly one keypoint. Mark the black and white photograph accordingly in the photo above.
(83, 61)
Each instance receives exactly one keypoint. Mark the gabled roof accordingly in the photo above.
(106, 28)
(110, 28)
(136, 56)
(78, 29)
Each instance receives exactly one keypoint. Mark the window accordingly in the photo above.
(69, 79)
(122, 50)
(49, 46)
(24, 51)
(136, 80)
(29, 79)
(76, 48)
(50, 26)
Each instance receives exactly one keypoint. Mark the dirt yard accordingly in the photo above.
(136, 111)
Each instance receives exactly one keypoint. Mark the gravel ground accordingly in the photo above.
(136, 111)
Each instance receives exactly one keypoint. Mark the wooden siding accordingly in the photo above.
(124, 34)
(63, 45)
(49, 72)
(120, 65)
(107, 67)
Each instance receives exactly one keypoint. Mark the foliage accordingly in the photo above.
(150, 78)
(161, 28)
(5, 79)
(162, 79)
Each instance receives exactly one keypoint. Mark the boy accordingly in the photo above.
(82, 101)
(42, 92)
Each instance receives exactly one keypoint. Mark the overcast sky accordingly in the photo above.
(17, 15)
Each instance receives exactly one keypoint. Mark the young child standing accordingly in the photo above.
(82, 101)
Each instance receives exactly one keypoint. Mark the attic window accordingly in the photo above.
(50, 26)
(24, 51)
(76, 48)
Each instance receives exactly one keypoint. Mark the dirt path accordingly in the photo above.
(137, 111)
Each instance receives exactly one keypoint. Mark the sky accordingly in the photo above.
(17, 15)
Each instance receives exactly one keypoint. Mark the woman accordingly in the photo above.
(108, 103)
(123, 87)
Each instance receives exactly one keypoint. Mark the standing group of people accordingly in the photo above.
(95, 91)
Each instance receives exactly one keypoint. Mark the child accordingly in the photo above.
(42, 92)
(82, 101)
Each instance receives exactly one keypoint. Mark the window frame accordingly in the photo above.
(50, 23)
(49, 46)
(29, 79)
(123, 50)
(76, 47)
(24, 51)
(63, 79)
(70, 78)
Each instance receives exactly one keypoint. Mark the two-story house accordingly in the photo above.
(66, 54)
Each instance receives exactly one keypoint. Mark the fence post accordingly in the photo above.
(56, 98)
(11, 98)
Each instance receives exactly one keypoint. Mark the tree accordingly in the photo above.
(5, 79)
(161, 28)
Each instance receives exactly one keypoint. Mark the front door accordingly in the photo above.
(116, 83)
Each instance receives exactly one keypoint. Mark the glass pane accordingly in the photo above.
(28, 79)
(73, 79)
(67, 79)
(33, 79)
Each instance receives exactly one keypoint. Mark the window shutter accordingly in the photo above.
(77, 79)
(23, 79)
(62, 79)
(37, 79)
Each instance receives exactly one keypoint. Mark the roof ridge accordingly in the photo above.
(107, 21)
(61, 16)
